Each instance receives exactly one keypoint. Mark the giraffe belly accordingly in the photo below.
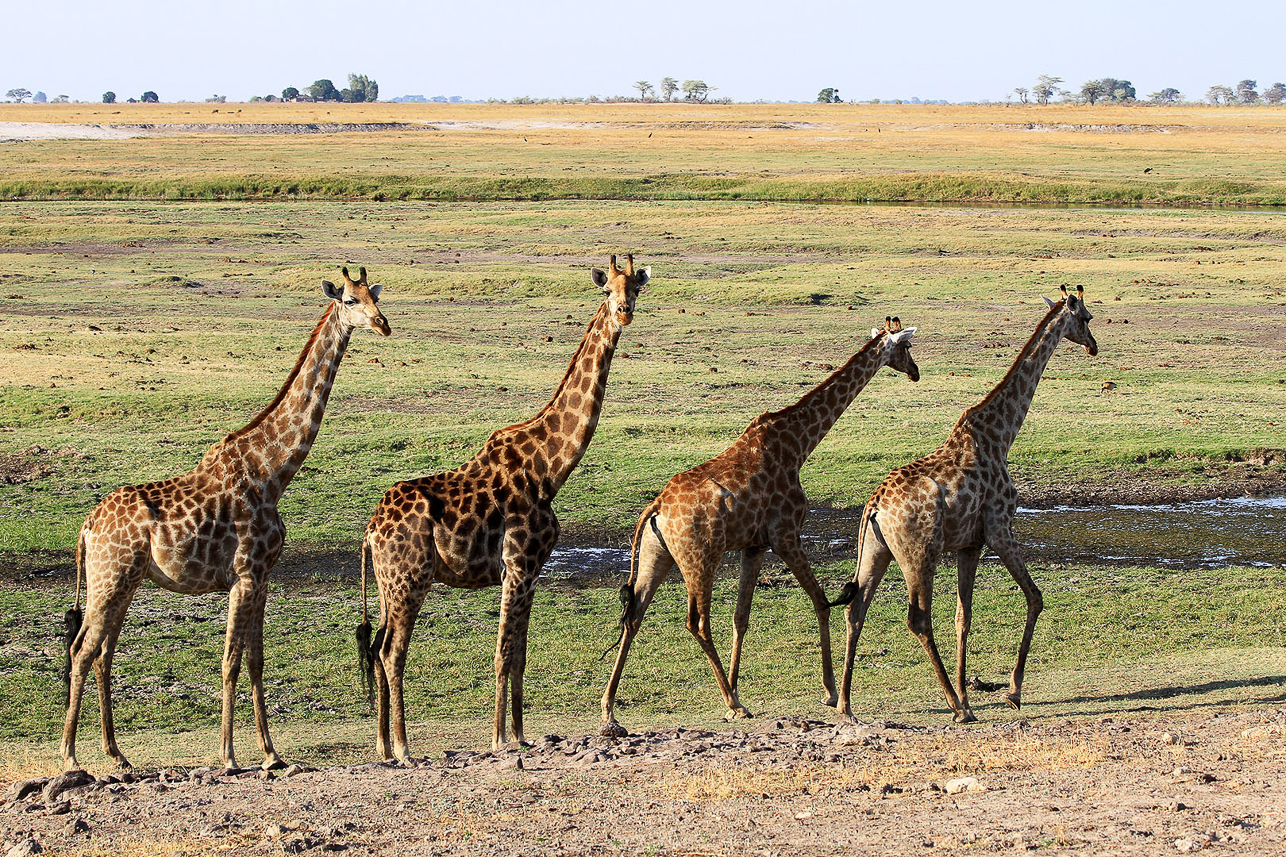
(191, 566)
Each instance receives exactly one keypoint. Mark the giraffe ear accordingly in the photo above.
(1047, 301)
(375, 291)
(330, 290)
(599, 276)
(644, 277)
(903, 335)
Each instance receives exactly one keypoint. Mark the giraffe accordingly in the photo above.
(747, 498)
(215, 527)
(959, 498)
(491, 521)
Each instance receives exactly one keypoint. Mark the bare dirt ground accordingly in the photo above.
(1214, 782)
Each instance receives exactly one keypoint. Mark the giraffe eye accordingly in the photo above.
(349, 301)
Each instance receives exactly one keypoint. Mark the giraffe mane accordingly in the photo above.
(1027, 348)
(290, 379)
(571, 366)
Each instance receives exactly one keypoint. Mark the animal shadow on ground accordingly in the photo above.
(1171, 691)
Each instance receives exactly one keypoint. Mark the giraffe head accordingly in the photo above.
(622, 288)
(357, 302)
(1076, 319)
(896, 347)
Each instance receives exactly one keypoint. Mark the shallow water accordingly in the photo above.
(1196, 534)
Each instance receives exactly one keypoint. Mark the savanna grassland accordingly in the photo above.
(155, 291)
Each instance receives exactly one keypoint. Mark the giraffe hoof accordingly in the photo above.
(274, 763)
(612, 729)
(965, 716)
(1014, 700)
(830, 701)
(738, 713)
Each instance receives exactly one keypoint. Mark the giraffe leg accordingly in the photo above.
(920, 621)
(383, 745)
(871, 565)
(241, 602)
(391, 663)
(655, 564)
(511, 654)
(103, 676)
(699, 625)
(1001, 540)
(967, 570)
(797, 560)
(752, 560)
(254, 661)
(105, 608)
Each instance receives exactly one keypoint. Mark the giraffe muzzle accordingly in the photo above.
(380, 324)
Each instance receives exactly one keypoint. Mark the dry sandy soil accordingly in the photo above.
(1213, 783)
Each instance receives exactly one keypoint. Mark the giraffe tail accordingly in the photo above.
(852, 588)
(627, 589)
(365, 649)
(73, 618)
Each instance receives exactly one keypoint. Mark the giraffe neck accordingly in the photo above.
(273, 446)
(1002, 411)
(566, 425)
(806, 422)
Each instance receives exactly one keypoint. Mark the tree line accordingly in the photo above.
(1114, 91)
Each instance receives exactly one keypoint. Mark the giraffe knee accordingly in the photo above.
(918, 621)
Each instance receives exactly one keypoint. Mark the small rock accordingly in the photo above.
(20, 790)
(25, 848)
(1271, 730)
(77, 825)
(293, 771)
(800, 816)
(63, 782)
(963, 784)
(61, 807)
(1169, 739)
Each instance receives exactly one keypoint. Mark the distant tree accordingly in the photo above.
(1045, 87)
(362, 88)
(1275, 94)
(39, 97)
(216, 99)
(829, 95)
(1092, 91)
(60, 99)
(1021, 92)
(19, 95)
(1169, 95)
(109, 97)
(149, 97)
(323, 90)
(1219, 95)
(271, 97)
(668, 87)
(644, 88)
(696, 90)
(1117, 90)
(1246, 93)
(289, 94)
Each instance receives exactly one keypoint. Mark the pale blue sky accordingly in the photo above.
(774, 51)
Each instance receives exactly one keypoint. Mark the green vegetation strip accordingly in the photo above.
(1129, 621)
(913, 187)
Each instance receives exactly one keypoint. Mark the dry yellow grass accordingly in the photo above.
(755, 151)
